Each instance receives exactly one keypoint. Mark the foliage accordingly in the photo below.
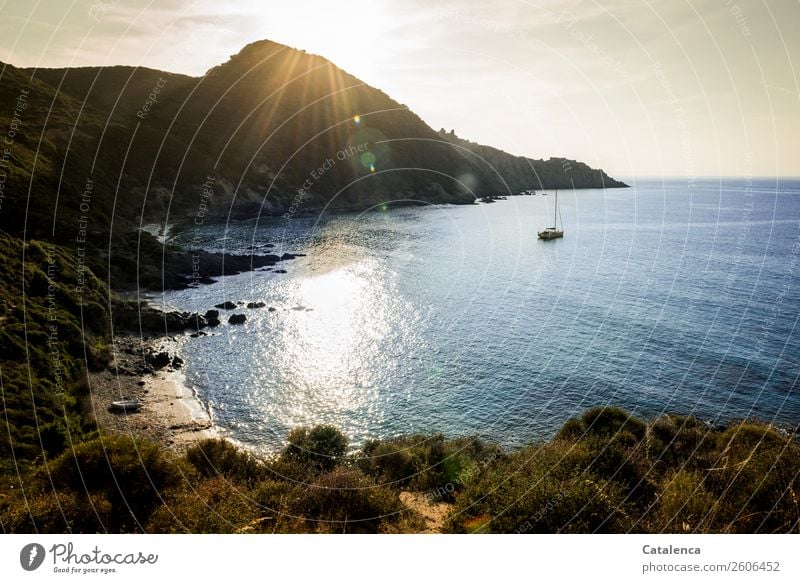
(427, 463)
(541, 490)
(53, 326)
(111, 484)
(213, 505)
(218, 457)
(344, 500)
(610, 472)
(677, 475)
(322, 447)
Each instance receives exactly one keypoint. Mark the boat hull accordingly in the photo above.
(551, 234)
(126, 406)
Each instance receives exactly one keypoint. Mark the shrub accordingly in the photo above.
(426, 463)
(129, 476)
(617, 460)
(677, 441)
(273, 499)
(572, 429)
(345, 501)
(215, 505)
(610, 421)
(219, 457)
(323, 446)
(683, 503)
(540, 490)
(390, 462)
(602, 474)
(56, 513)
(755, 480)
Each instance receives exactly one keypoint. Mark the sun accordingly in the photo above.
(344, 33)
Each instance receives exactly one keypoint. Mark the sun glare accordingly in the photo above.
(339, 32)
(331, 332)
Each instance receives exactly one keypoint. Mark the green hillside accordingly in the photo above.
(53, 327)
(242, 139)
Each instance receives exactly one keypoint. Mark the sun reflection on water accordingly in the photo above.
(330, 343)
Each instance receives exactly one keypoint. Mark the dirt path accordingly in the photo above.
(434, 513)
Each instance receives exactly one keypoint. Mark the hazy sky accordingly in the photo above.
(637, 87)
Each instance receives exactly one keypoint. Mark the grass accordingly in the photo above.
(52, 330)
(738, 479)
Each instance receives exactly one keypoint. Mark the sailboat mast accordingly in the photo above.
(555, 210)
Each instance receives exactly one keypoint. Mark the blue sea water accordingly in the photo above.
(666, 297)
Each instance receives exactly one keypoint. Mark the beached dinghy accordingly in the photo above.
(126, 405)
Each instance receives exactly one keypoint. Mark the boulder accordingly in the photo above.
(237, 319)
(212, 317)
(177, 362)
(158, 360)
(226, 306)
(252, 305)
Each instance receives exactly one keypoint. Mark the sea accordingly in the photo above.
(669, 297)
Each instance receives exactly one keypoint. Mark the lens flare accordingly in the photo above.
(368, 160)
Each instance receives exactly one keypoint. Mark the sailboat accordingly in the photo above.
(553, 232)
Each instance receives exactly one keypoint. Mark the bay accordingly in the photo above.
(668, 297)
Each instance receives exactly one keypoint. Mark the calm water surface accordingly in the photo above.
(660, 298)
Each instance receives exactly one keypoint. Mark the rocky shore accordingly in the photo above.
(147, 369)
(145, 366)
(183, 269)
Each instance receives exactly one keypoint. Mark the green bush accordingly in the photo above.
(684, 503)
(323, 446)
(572, 429)
(426, 463)
(611, 421)
(540, 490)
(674, 441)
(755, 480)
(396, 462)
(219, 457)
(605, 472)
(345, 501)
(129, 477)
(215, 505)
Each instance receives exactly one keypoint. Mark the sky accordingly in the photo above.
(678, 88)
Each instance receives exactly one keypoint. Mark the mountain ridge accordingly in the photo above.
(261, 126)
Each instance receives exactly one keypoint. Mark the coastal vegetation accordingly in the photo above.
(54, 326)
(604, 472)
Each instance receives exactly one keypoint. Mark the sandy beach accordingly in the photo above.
(171, 414)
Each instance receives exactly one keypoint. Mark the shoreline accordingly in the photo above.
(171, 414)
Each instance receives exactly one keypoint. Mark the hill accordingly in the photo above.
(271, 130)
(516, 173)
